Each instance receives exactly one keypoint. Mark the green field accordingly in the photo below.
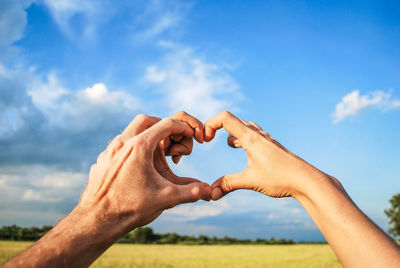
(128, 255)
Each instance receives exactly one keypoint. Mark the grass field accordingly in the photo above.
(128, 255)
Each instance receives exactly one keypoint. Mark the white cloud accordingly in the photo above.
(43, 122)
(79, 109)
(93, 12)
(158, 17)
(353, 103)
(99, 94)
(273, 216)
(296, 211)
(166, 44)
(149, 19)
(46, 94)
(36, 186)
(154, 75)
(191, 212)
(61, 180)
(165, 22)
(32, 195)
(189, 83)
(13, 20)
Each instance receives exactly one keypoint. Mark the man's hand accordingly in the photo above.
(131, 182)
(130, 185)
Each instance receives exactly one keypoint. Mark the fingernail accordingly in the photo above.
(216, 193)
(176, 158)
(207, 192)
(197, 134)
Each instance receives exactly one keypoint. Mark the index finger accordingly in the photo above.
(140, 123)
(163, 129)
(195, 123)
(231, 124)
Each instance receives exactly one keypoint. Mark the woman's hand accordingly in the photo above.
(276, 172)
(272, 169)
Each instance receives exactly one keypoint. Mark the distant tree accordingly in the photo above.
(189, 239)
(170, 238)
(14, 232)
(272, 240)
(261, 241)
(142, 235)
(203, 239)
(394, 215)
(246, 241)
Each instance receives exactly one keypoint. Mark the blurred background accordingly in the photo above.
(322, 77)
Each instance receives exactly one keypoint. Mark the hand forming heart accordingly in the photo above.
(272, 169)
(131, 184)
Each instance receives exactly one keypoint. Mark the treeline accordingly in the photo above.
(145, 235)
(17, 233)
(141, 235)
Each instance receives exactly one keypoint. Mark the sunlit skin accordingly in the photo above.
(131, 185)
(276, 172)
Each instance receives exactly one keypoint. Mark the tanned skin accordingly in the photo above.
(131, 185)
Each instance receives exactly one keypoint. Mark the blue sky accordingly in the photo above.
(322, 77)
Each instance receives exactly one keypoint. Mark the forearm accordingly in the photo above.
(76, 241)
(347, 229)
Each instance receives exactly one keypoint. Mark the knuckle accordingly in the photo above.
(92, 168)
(196, 194)
(142, 143)
(117, 138)
(181, 114)
(226, 185)
(247, 137)
(117, 141)
(141, 118)
(226, 114)
(168, 121)
(101, 156)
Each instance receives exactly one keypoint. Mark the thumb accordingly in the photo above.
(227, 184)
(192, 192)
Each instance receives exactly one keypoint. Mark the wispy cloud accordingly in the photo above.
(13, 20)
(188, 82)
(79, 109)
(89, 13)
(149, 19)
(40, 189)
(51, 133)
(191, 212)
(158, 17)
(45, 121)
(354, 102)
(163, 24)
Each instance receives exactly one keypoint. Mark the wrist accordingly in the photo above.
(314, 183)
(103, 227)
